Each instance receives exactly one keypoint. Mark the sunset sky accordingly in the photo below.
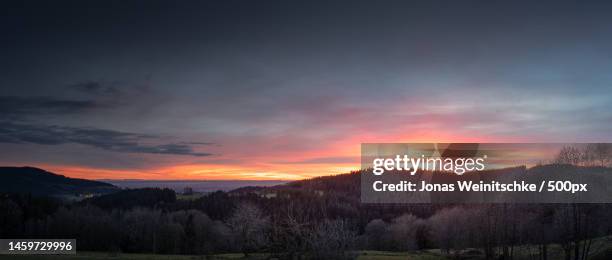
(289, 90)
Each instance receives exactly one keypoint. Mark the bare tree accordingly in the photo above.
(453, 228)
(569, 155)
(290, 233)
(376, 234)
(588, 155)
(250, 227)
(404, 230)
(139, 230)
(332, 239)
(602, 153)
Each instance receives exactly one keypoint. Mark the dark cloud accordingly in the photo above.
(12, 106)
(109, 140)
(100, 89)
(96, 88)
(90, 96)
(199, 143)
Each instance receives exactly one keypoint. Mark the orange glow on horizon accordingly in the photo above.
(295, 165)
(203, 172)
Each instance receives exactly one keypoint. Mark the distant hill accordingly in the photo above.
(43, 183)
(345, 185)
(203, 186)
(348, 186)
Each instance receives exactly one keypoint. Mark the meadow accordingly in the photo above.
(602, 249)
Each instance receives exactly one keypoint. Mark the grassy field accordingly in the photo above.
(601, 249)
(108, 256)
(363, 255)
(382, 255)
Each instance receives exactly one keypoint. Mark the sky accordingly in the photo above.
(290, 89)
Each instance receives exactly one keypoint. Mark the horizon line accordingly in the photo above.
(177, 180)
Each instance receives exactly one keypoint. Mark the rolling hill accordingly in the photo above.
(349, 185)
(39, 182)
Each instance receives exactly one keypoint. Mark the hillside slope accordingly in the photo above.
(43, 183)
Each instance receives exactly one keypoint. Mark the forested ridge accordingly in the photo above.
(318, 218)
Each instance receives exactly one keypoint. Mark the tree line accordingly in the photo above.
(593, 154)
(289, 231)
